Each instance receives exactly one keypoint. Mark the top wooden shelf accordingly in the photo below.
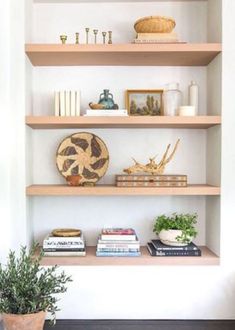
(82, 1)
(122, 54)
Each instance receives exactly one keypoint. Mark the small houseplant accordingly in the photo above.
(177, 229)
(27, 290)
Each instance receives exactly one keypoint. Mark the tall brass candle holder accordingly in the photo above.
(95, 33)
(77, 38)
(87, 35)
(110, 37)
(104, 36)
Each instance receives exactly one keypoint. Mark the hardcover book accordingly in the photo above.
(65, 254)
(116, 234)
(117, 254)
(172, 253)
(151, 184)
(158, 245)
(151, 178)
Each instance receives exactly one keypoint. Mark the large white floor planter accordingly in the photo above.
(169, 237)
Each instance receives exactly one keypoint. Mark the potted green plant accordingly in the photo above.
(177, 229)
(27, 290)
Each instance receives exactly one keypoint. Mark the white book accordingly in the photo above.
(73, 103)
(67, 103)
(62, 103)
(65, 254)
(78, 101)
(98, 112)
(106, 115)
(57, 104)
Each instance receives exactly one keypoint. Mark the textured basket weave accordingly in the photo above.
(154, 24)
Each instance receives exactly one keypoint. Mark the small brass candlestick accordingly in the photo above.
(87, 35)
(104, 36)
(95, 33)
(63, 38)
(110, 37)
(77, 38)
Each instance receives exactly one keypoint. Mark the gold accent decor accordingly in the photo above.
(63, 38)
(66, 232)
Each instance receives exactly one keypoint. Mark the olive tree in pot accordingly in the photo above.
(177, 229)
(27, 290)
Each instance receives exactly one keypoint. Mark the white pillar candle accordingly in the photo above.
(187, 111)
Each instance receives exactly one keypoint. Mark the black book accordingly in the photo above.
(63, 250)
(172, 253)
(162, 247)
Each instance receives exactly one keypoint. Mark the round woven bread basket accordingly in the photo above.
(154, 24)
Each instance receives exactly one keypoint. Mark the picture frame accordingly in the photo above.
(144, 102)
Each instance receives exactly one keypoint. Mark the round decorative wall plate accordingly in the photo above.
(84, 156)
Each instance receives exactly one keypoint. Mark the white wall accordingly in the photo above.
(103, 292)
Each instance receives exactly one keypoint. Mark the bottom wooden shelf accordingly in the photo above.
(207, 258)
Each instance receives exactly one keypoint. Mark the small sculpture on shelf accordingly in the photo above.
(153, 167)
(106, 102)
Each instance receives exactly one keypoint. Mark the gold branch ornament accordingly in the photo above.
(153, 167)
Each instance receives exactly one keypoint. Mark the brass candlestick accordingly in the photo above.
(87, 35)
(63, 38)
(110, 37)
(104, 36)
(77, 38)
(95, 33)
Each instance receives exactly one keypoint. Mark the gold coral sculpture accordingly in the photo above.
(153, 167)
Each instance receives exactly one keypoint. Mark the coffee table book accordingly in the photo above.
(172, 253)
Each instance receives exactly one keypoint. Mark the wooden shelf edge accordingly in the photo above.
(53, 122)
(110, 190)
(208, 258)
(198, 54)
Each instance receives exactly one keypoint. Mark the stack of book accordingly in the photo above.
(145, 180)
(67, 103)
(64, 246)
(105, 112)
(152, 38)
(118, 242)
(158, 249)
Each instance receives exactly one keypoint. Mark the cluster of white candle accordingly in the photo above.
(67, 103)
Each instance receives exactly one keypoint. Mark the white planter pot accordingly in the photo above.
(168, 237)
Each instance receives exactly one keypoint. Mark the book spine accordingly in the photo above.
(175, 248)
(152, 184)
(117, 246)
(56, 246)
(57, 103)
(62, 103)
(156, 35)
(117, 250)
(117, 254)
(65, 254)
(151, 178)
(63, 250)
(156, 41)
(176, 253)
(78, 102)
(118, 237)
(98, 112)
(73, 103)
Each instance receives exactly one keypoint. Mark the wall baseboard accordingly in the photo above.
(142, 325)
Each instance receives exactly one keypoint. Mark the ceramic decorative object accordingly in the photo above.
(154, 24)
(106, 99)
(85, 155)
(193, 92)
(153, 167)
(33, 321)
(96, 106)
(73, 180)
(169, 237)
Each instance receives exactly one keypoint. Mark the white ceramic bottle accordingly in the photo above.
(193, 96)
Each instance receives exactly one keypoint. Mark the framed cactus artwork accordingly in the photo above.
(144, 102)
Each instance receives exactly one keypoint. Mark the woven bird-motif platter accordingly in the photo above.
(85, 155)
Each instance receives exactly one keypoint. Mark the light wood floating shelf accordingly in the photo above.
(109, 190)
(122, 54)
(52, 122)
(207, 258)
